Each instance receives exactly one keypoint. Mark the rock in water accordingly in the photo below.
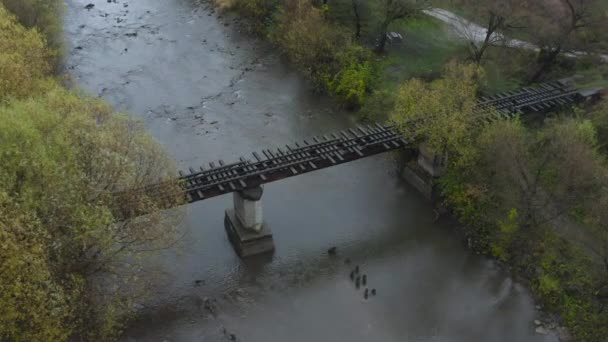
(89, 6)
(541, 330)
(332, 251)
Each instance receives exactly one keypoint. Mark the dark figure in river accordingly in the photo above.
(347, 261)
(352, 275)
(364, 280)
(332, 251)
(373, 292)
(365, 295)
(357, 282)
(357, 269)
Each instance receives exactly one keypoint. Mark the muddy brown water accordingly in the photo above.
(207, 91)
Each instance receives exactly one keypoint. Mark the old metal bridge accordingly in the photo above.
(244, 178)
(270, 165)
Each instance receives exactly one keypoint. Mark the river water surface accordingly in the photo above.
(207, 92)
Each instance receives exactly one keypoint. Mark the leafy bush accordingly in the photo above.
(24, 59)
(45, 15)
(63, 157)
(308, 40)
(441, 113)
(354, 79)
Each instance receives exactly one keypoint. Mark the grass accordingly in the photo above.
(426, 47)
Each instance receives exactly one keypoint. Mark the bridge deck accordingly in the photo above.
(292, 160)
(539, 98)
(342, 147)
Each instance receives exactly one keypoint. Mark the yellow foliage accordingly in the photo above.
(307, 38)
(64, 156)
(24, 59)
(441, 113)
(32, 305)
(224, 5)
(44, 15)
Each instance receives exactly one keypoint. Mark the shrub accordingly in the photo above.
(353, 81)
(308, 40)
(24, 59)
(63, 157)
(45, 15)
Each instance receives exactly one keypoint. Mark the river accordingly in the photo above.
(207, 91)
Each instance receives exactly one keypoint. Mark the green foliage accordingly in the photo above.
(44, 15)
(441, 113)
(355, 77)
(379, 105)
(599, 117)
(24, 59)
(309, 41)
(63, 156)
(259, 11)
(33, 305)
(543, 175)
(505, 233)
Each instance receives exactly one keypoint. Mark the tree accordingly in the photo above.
(441, 113)
(43, 15)
(544, 176)
(24, 59)
(501, 19)
(565, 28)
(64, 157)
(392, 10)
(309, 40)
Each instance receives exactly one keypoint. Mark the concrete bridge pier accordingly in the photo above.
(245, 224)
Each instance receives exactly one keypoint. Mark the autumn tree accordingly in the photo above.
(64, 157)
(308, 39)
(24, 59)
(565, 26)
(43, 15)
(70, 267)
(441, 113)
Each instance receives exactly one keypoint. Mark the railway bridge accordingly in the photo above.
(244, 223)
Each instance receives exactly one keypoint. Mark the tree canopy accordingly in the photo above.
(69, 267)
(441, 113)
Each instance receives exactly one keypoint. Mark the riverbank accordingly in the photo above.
(64, 156)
